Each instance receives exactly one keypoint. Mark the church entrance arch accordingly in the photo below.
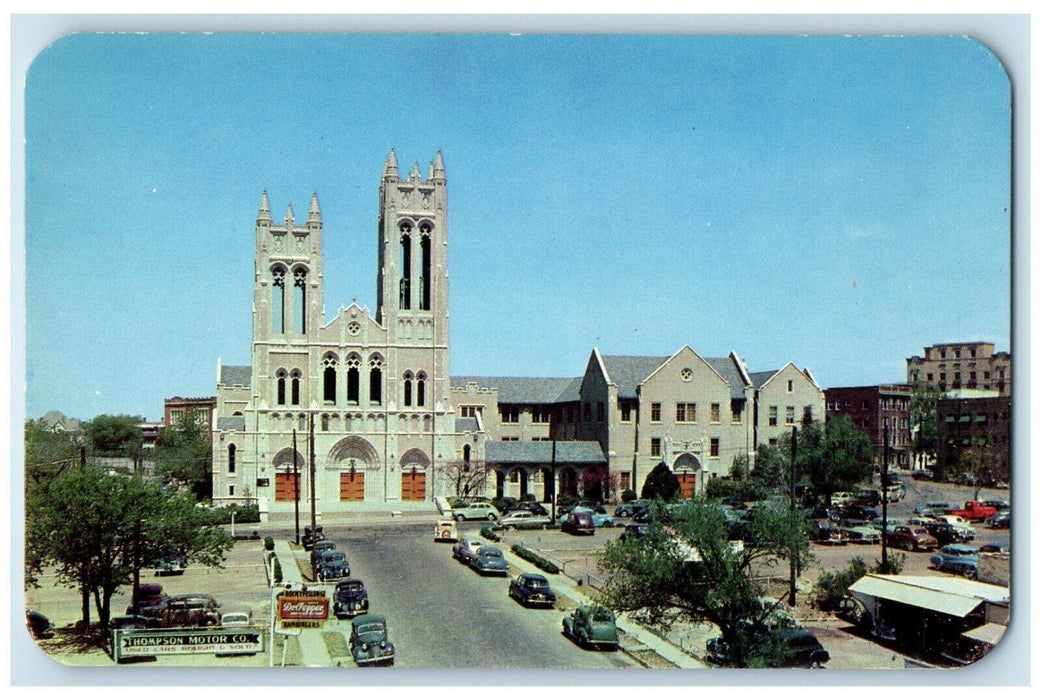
(352, 457)
(686, 468)
(414, 465)
(287, 481)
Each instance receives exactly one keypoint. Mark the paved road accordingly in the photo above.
(442, 614)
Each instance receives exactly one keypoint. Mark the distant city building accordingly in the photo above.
(176, 408)
(58, 422)
(873, 409)
(963, 422)
(950, 366)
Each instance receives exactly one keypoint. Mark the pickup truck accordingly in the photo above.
(973, 511)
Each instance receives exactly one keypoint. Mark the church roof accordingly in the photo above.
(235, 375)
(525, 390)
(466, 425)
(629, 371)
(542, 452)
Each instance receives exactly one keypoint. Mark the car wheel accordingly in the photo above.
(583, 640)
(816, 663)
(459, 517)
(491, 516)
(909, 546)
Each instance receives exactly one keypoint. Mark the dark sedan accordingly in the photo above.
(350, 598)
(490, 561)
(532, 589)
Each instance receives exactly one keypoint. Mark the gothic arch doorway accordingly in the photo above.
(414, 464)
(287, 481)
(352, 457)
(686, 468)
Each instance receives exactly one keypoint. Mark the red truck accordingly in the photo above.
(973, 511)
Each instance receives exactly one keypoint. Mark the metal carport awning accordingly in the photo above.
(917, 596)
(990, 633)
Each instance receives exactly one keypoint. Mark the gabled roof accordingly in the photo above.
(727, 369)
(542, 452)
(523, 390)
(629, 371)
(761, 378)
(236, 375)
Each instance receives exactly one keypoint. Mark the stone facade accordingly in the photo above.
(973, 365)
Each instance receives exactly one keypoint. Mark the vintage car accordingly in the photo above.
(578, 523)
(170, 567)
(592, 626)
(932, 508)
(191, 610)
(489, 560)
(945, 533)
(445, 531)
(628, 510)
(236, 618)
(911, 538)
(332, 565)
(323, 546)
(524, 520)
(961, 559)
(1000, 520)
(466, 550)
(532, 589)
(859, 532)
(635, 531)
(842, 498)
(799, 648)
(858, 512)
(826, 532)
(476, 511)
(369, 642)
(350, 598)
(309, 537)
(527, 506)
(131, 622)
(150, 601)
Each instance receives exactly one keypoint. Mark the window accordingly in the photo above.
(713, 448)
(469, 411)
(791, 385)
(280, 388)
(300, 299)
(715, 413)
(408, 388)
(405, 266)
(807, 414)
(329, 380)
(656, 413)
(735, 411)
(510, 439)
(375, 380)
(421, 389)
(655, 447)
(353, 379)
(325, 422)
(773, 415)
(600, 412)
(509, 414)
(424, 272)
(627, 412)
(231, 459)
(295, 387)
(686, 412)
(231, 489)
(278, 300)
(789, 415)
(176, 415)
(540, 414)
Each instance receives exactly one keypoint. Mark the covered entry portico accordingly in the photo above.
(542, 468)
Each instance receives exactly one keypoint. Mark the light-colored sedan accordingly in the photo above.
(524, 520)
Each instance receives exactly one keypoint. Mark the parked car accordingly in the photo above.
(911, 537)
(369, 642)
(628, 510)
(489, 560)
(170, 567)
(445, 531)
(323, 546)
(956, 559)
(591, 626)
(998, 504)
(826, 532)
(842, 498)
(600, 518)
(150, 601)
(922, 474)
(236, 618)
(524, 520)
(476, 511)
(932, 508)
(959, 523)
(309, 538)
(466, 550)
(974, 511)
(191, 610)
(332, 565)
(635, 531)
(895, 492)
(532, 589)
(578, 523)
(526, 506)
(889, 523)
(859, 532)
(131, 622)
(350, 598)
(868, 497)
(994, 548)
(945, 533)
(38, 625)
(1000, 520)
(799, 648)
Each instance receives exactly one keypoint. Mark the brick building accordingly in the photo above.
(962, 422)
(873, 409)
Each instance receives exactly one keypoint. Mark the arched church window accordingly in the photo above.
(231, 459)
(353, 379)
(300, 299)
(421, 389)
(375, 379)
(294, 390)
(280, 387)
(408, 388)
(425, 266)
(405, 266)
(329, 379)
(278, 299)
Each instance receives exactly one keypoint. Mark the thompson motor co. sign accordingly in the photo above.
(303, 609)
(244, 640)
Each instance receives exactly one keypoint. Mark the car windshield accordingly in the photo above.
(536, 583)
(491, 554)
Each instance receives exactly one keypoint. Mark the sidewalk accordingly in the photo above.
(312, 644)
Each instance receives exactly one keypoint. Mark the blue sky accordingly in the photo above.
(837, 202)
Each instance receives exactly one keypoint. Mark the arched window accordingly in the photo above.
(300, 299)
(421, 389)
(408, 388)
(294, 393)
(231, 459)
(405, 266)
(424, 280)
(329, 379)
(280, 387)
(466, 454)
(278, 300)
(375, 380)
(353, 379)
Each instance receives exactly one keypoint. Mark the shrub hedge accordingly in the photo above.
(243, 514)
(490, 534)
(541, 562)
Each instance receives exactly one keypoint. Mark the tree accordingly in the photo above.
(97, 529)
(660, 483)
(467, 478)
(115, 434)
(47, 455)
(983, 464)
(829, 457)
(925, 426)
(184, 453)
(691, 572)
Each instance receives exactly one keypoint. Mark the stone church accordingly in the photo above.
(391, 427)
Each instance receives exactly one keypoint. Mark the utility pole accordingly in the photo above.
(792, 556)
(296, 489)
(314, 516)
(553, 480)
(885, 498)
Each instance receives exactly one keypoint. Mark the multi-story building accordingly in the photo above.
(785, 398)
(972, 365)
(876, 409)
(965, 422)
(177, 408)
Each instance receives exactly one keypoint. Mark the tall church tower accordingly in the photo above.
(412, 294)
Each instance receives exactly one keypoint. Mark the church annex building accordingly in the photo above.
(390, 425)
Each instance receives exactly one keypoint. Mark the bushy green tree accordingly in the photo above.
(115, 434)
(692, 572)
(925, 426)
(184, 453)
(96, 529)
(661, 483)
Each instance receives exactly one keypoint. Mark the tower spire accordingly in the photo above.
(438, 168)
(390, 167)
(289, 215)
(264, 213)
(414, 174)
(314, 214)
